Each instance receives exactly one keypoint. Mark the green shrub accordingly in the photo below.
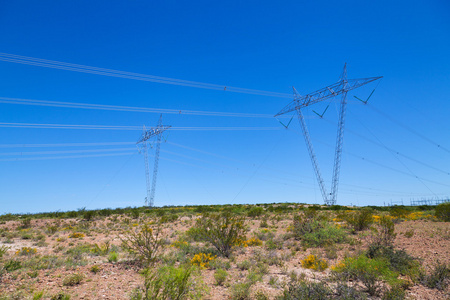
(89, 215)
(438, 278)
(345, 292)
(314, 231)
(103, 249)
(134, 212)
(33, 274)
(260, 295)
(170, 282)
(60, 296)
(25, 223)
(337, 207)
(144, 243)
(38, 295)
(12, 265)
(73, 279)
(394, 293)
(255, 211)
(305, 223)
(169, 218)
(371, 272)
(398, 211)
(219, 263)
(399, 261)
(331, 252)
(95, 269)
(306, 290)
(244, 265)
(72, 214)
(241, 291)
(3, 250)
(220, 276)
(442, 211)
(223, 231)
(325, 236)
(384, 234)
(409, 233)
(361, 219)
(113, 257)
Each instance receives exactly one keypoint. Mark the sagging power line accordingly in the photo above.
(53, 64)
(113, 127)
(79, 105)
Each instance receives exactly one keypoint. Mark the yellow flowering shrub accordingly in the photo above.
(314, 263)
(26, 251)
(202, 260)
(248, 243)
(179, 244)
(415, 215)
(76, 235)
(254, 242)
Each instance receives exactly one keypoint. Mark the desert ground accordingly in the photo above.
(267, 251)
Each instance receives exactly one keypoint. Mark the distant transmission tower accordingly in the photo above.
(146, 135)
(339, 88)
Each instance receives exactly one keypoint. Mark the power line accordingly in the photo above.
(385, 166)
(48, 103)
(275, 171)
(365, 190)
(64, 157)
(33, 61)
(396, 157)
(114, 127)
(65, 145)
(393, 120)
(392, 150)
(64, 152)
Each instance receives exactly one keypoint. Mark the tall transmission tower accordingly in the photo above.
(342, 87)
(146, 136)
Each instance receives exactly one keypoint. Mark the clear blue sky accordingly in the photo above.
(249, 44)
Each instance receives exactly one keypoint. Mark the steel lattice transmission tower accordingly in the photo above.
(342, 87)
(146, 135)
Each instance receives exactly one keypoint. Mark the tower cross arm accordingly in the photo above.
(152, 132)
(325, 93)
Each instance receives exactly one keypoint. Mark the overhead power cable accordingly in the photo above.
(274, 174)
(64, 152)
(395, 156)
(65, 157)
(65, 145)
(48, 103)
(113, 127)
(33, 61)
(379, 144)
(385, 166)
(395, 121)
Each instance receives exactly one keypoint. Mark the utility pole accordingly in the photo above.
(145, 137)
(342, 87)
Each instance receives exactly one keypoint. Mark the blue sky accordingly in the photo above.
(259, 45)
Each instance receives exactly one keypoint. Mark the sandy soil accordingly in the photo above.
(429, 241)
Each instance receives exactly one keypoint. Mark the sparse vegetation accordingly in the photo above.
(169, 282)
(360, 219)
(73, 279)
(242, 251)
(442, 212)
(438, 278)
(144, 242)
(224, 231)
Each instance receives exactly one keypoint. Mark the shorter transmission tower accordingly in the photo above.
(146, 136)
(341, 87)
